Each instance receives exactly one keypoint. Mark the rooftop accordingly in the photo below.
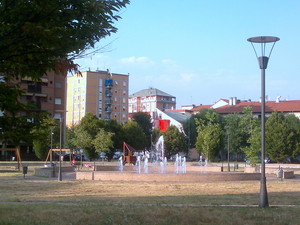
(150, 92)
(271, 106)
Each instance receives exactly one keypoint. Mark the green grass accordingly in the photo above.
(48, 201)
(20, 213)
(79, 202)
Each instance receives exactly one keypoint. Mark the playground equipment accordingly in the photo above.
(17, 152)
(128, 152)
(50, 157)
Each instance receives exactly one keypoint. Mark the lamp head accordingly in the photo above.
(263, 40)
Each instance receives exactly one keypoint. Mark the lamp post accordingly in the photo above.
(228, 166)
(51, 143)
(263, 63)
(60, 144)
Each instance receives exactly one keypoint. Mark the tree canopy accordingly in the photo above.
(174, 141)
(281, 137)
(134, 135)
(36, 37)
(210, 134)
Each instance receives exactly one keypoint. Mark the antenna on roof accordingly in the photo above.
(278, 99)
(109, 72)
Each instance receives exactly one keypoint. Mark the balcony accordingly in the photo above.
(109, 83)
(108, 109)
(108, 101)
(108, 93)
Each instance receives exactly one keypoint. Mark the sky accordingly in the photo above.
(197, 50)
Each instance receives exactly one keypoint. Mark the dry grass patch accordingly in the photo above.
(88, 202)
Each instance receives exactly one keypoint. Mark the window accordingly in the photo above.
(57, 116)
(124, 83)
(58, 85)
(124, 92)
(124, 100)
(57, 101)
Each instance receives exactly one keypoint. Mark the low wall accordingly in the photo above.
(158, 169)
(44, 172)
(52, 172)
(165, 177)
(288, 174)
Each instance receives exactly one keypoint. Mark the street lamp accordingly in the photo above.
(263, 63)
(228, 133)
(51, 143)
(60, 144)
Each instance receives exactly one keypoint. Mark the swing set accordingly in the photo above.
(17, 153)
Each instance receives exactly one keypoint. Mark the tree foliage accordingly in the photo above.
(144, 120)
(174, 141)
(134, 135)
(250, 136)
(210, 135)
(103, 141)
(89, 134)
(36, 37)
(42, 136)
(281, 139)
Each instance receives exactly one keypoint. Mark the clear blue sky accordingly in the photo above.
(197, 50)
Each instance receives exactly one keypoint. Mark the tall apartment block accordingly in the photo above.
(148, 100)
(47, 95)
(101, 93)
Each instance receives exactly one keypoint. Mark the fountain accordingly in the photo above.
(138, 164)
(121, 163)
(160, 149)
(158, 169)
(146, 165)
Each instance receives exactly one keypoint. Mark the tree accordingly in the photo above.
(253, 148)
(42, 136)
(114, 127)
(85, 132)
(174, 141)
(36, 37)
(234, 133)
(210, 135)
(144, 120)
(103, 141)
(294, 123)
(250, 136)
(190, 126)
(134, 135)
(280, 137)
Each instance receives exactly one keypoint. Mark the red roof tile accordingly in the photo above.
(197, 108)
(271, 106)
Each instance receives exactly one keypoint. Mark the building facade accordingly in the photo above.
(48, 94)
(101, 93)
(148, 100)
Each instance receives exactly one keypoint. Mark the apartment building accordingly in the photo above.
(101, 93)
(148, 100)
(48, 94)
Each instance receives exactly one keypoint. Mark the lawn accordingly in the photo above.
(45, 201)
